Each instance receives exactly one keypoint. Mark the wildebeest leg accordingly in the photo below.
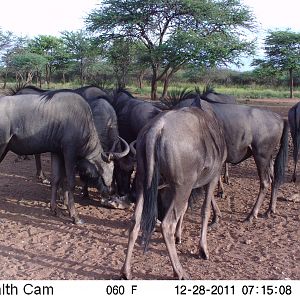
(180, 195)
(226, 174)
(3, 152)
(179, 227)
(220, 192)
(85, 191)
(294, 177)
(265, 171)
(216, 213)
(39, 172)
(70, 174)
(133, 234)
(205, 213)
(272, 205)
(57, 174)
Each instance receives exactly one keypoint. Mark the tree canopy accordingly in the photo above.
(175, 32)
(282, 54)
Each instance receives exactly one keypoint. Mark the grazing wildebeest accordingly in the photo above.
(294, 121)
(133, 114)
(105, 120)
(254, 132)
(106, 124)
(59, 122)
(186, 149)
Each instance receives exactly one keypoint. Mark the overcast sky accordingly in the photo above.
(34, 17)
(39, 17)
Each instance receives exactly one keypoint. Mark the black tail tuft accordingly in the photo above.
(296, 137)
(281, 158)
(150, 212)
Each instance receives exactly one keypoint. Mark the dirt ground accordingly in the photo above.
(34, 244)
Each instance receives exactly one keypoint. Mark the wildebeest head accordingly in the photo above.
(96, 176)
(106, 168)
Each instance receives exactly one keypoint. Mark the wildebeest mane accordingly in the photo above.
(206, 90)
(20, 86)
(176, 96)
(48, 95)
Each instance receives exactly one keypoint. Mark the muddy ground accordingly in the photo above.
(34, 244)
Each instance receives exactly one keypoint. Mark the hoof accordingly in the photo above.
(78, 221)
(250, 219)
(181, 276)
(221, 195)
(125, 275)
(269, 213)
(177, 240)
(203, 254)
(45, 181)
(54, 211)
(213, 225)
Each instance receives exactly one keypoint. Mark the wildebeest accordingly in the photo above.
(59, 122)
(105, 120)
(254, 132)
(106, 124)
(133, 114)
(186, 149)
(294, 122)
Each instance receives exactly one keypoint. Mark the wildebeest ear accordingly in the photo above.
(86, 169)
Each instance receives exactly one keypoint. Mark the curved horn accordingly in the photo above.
(132, 147)
(116, 155)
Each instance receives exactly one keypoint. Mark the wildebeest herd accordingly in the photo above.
(89, 131)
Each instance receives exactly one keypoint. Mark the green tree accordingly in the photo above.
(175, 32)
(15, 46)
(6, 38)
(82, 49)
(9, 44)
(48, 46)
(282, 53)
(26, 65)
(121, 55)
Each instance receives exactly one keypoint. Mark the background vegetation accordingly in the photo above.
(152, 47)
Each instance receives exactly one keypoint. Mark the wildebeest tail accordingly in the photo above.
(281, 158)
(151, 182)
(296, 137)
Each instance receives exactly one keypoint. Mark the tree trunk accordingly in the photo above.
(81, 72)
(291, 83)
(5, 80)
(166, 84)
(47, 75)
(153, 88)
(140, 79)
(64, 78)
(154, 83)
